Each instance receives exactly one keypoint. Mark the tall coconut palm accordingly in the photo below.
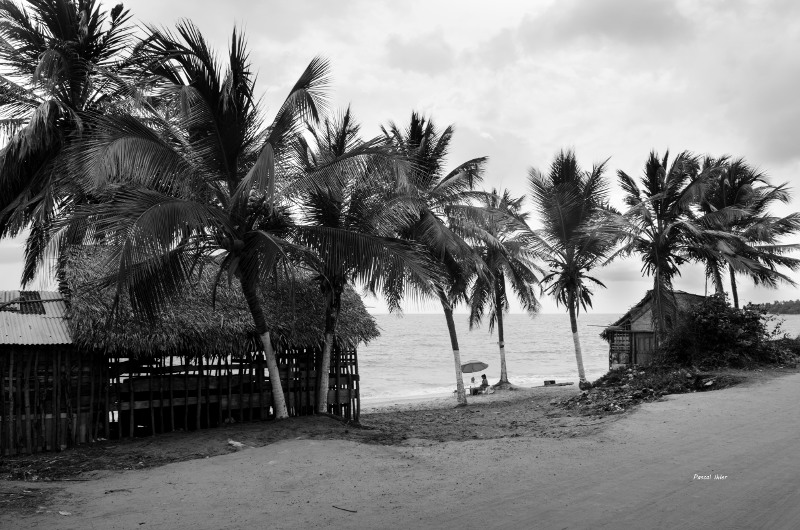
(570, 203)
(662, 229)
(509, 260)
(194, 175)
(736, 185)
(439, 199)
(348, 220)
(52, 59)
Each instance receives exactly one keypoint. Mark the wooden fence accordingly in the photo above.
(53, 398)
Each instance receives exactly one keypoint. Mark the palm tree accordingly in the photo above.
(661, 230)
(53, 58)
(570, 203)
(509, 259)
(194, 176)
(440, 202)
(735, 185)
(347, 220)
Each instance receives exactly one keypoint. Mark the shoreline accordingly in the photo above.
(448, 400)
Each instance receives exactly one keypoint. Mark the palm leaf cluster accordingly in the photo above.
(165, 158)
(573, 204)
(712, 212)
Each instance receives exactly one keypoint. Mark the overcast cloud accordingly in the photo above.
(521, 80)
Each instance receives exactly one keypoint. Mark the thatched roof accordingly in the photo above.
(683, 300)
(190, 325)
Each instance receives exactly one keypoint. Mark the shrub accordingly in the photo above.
(714, 334)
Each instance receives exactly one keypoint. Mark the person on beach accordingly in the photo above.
(484, 383)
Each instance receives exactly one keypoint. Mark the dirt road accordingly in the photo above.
(644, 471)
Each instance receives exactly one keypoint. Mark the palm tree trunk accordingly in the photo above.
(324, 368)
(498, 308)
(734, 291)
(278, 399)
(658, 306)
(573, 322)
(451, 327)
(718, 288)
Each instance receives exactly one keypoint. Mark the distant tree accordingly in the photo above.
(571, 203)
(509, 260)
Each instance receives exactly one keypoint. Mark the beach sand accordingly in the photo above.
(646, 469)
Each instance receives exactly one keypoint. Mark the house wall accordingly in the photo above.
(644, 321)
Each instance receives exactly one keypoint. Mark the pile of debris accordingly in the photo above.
(620, 389)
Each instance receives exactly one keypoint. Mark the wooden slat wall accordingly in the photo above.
(50, 398)
(53, 398)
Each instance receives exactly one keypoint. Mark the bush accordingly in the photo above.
(714, 334)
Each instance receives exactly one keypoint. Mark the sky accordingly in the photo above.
(520, 80)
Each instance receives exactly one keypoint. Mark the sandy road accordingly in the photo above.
(639, 473)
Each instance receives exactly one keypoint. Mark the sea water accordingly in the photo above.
(413, 357)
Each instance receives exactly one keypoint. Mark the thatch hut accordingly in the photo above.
(632, 338)
(195, 365)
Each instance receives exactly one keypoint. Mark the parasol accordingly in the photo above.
(473, 366)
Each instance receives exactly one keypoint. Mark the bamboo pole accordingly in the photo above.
(20, 427)
(27, 395)
(249, 369)
(186, 394)
(131, 400)
(219, 391)
(57, 401)
(260, 384)
(3, 413)
(79, 418)
(338, 367)
(94, 423)
(171, 393)
(118, 386)
(228, 367)
(241, 394)
(356, 385)
(36, 404)
(150, 398)
(48, 391)
(11, 445)
(208, 396)
(198, 411)
(160, 374)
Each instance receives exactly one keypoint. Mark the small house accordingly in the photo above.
(632, 338)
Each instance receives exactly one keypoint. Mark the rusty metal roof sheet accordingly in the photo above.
(22, 325)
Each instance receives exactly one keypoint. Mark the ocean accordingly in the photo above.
(413, 358)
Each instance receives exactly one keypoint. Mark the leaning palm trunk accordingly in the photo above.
(573, 322)
(278, 399)
(324, 367)
(500, 339)
(734, 292)
(451, 327)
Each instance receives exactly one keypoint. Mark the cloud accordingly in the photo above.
(600, 22)
(426, 54)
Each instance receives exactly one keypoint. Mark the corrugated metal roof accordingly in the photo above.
(17, 327)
